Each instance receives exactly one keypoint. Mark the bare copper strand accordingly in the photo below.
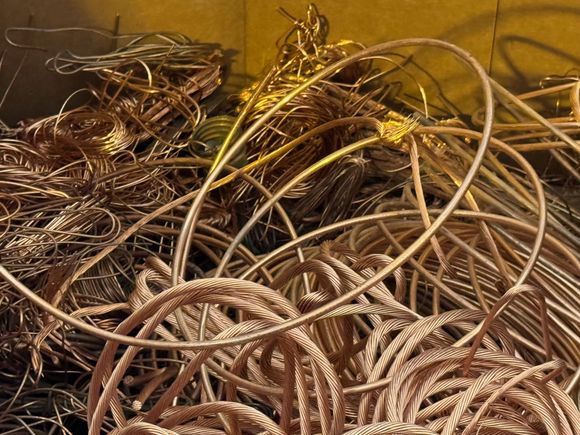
(319, 253)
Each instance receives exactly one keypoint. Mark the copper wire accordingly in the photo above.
(311, 257)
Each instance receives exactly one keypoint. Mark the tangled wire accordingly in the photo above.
(309, 256)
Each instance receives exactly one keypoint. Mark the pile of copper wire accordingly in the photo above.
(313, 255)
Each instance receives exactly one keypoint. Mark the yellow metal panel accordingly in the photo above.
(535, 39)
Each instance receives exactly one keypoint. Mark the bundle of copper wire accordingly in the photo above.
(310, 256)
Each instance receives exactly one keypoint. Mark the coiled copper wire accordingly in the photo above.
(412, 281)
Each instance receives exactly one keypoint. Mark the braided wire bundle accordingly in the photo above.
(323, 262)
(357, 362)
(452, 380)
(154, 83)
(70, 184)
(554, 133)
(321, 119)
